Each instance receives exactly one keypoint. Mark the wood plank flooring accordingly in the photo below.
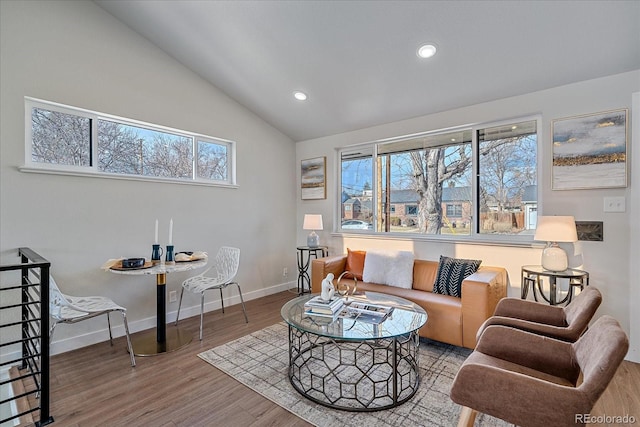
(96, 385)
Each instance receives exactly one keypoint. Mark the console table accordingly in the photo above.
(532, 277)
(304, 259)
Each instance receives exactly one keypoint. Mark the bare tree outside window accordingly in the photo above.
(434, 184)
(71, 137)
(129, 149)
(59, 138)
(507, 166)
(212, 161)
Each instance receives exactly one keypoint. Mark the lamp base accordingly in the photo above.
(313, 240)
(554, 258)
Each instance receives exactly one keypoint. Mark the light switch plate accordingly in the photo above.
(614, 204)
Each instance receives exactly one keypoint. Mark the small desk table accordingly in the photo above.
(162, 341)
(532, 274)
(303, 264)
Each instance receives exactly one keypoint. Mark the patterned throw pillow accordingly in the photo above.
(451, 273)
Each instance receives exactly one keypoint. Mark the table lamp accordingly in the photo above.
(554, 229)
(312, 222)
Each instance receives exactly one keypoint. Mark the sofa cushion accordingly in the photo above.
(355, 264)
(394, 268)
(451, 273)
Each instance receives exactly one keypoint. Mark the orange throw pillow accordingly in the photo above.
(355, 263)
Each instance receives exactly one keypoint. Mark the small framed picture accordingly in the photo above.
(590, 151)
(313, 178)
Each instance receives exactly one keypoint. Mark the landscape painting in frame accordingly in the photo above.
(590, 151)
(313, 179)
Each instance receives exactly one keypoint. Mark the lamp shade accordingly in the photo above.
(556, 229)
(312, 222)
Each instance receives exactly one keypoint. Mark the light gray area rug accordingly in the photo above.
(260, 361)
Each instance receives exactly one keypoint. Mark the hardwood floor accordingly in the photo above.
(96, 385)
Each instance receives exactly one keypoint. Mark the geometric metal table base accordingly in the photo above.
(362, 375)
(147, 344)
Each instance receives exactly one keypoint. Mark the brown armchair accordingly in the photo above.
(532, 380)
(563, 323)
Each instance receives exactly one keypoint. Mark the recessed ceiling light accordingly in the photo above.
(426, 51)
(300, 96)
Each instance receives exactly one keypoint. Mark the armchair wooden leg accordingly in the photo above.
(467, 417)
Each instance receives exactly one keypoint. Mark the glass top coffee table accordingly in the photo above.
(352, 364)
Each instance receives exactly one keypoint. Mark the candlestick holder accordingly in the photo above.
(156, 254)
(168, 259)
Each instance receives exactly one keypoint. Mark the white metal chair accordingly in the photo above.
(71, 309)
(225, 269)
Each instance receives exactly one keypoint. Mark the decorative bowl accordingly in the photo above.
(132, 262)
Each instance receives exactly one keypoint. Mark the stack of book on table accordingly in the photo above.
(316, 306)
(366, 312)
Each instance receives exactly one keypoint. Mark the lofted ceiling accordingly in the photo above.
(357, 62)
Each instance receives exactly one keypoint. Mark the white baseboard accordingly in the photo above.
(94, 337)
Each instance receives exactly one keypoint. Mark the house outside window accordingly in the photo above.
(469, 181)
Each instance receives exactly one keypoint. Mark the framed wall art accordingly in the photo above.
(313, 178)
(590, 151)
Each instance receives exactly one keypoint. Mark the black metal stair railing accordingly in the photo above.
(33, 321)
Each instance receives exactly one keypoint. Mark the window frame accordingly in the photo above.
(93, 170)
(474, 237)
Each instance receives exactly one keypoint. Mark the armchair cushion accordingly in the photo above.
(451, 273)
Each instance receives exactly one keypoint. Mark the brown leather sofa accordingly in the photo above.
(451, 320)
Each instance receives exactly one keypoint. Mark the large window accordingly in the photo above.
(465, 182)
(63, 138)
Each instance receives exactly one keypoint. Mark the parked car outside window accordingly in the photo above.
(356, 224)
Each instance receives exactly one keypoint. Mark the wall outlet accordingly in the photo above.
(614, 204)
(173, 296)
(285, 272)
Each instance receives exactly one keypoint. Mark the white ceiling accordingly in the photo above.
(357, 59)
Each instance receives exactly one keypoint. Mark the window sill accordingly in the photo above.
(55, 171)
(467, 240)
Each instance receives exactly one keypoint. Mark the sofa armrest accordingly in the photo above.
(480, 295)
(320, 267)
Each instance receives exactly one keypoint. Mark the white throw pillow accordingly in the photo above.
(394, 268)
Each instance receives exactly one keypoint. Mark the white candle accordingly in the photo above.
(156, 237)
(171, 231)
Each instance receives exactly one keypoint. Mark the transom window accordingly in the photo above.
(64, 138)
(467, 181)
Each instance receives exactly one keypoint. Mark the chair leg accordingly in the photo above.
(129, 346)
(201, 313)
(110, 335)
(179, 305)
(51, 329)
(221, 300)
(246, 319)
(467, 417)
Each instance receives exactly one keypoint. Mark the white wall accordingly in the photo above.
(634, 226)
(77, 54)
(609, 262)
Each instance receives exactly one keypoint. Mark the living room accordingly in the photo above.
(77, 54)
